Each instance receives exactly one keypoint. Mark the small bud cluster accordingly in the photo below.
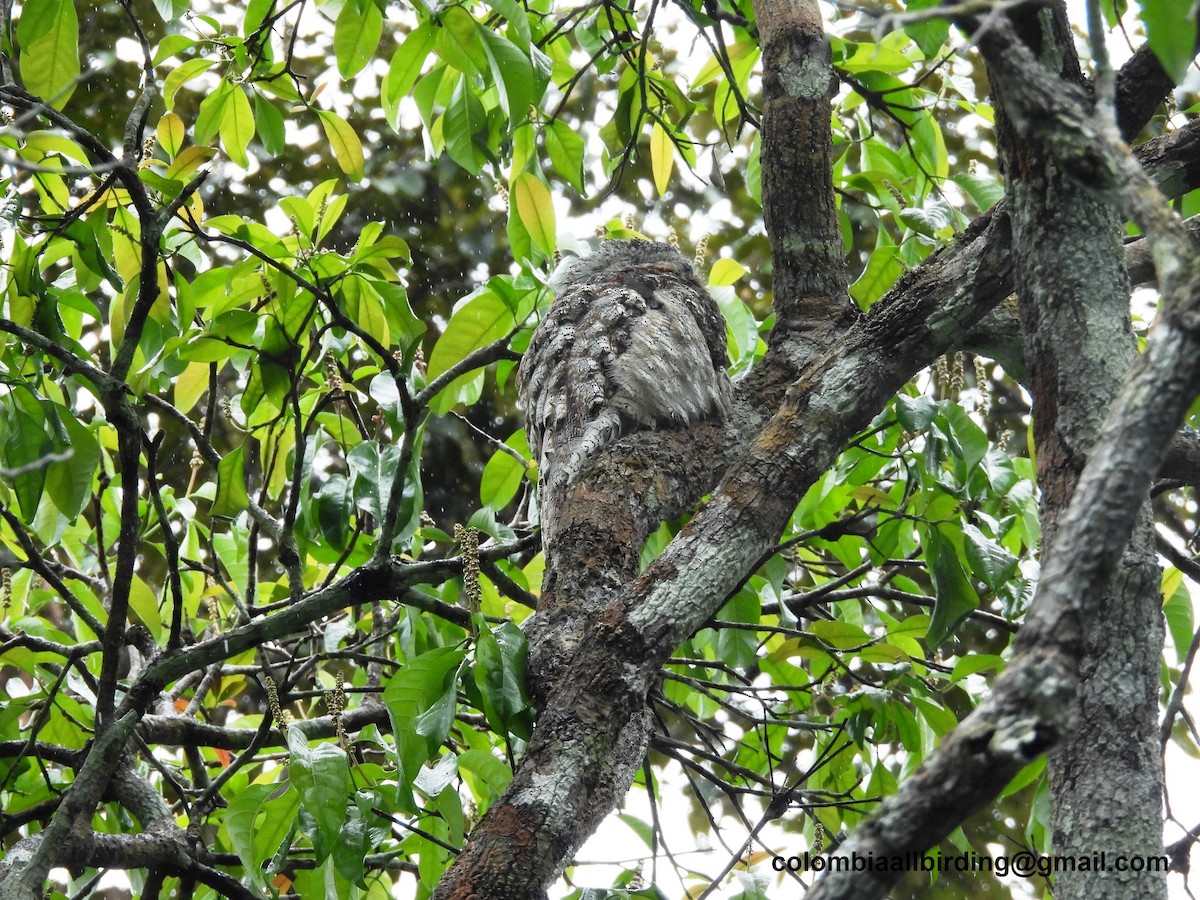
(956, 374)
(468, 540)
(335, 702)
(282, 717)
(983, 386)
(701, 252)
(214, 611)
(334, 379)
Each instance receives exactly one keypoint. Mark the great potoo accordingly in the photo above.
(632, 341)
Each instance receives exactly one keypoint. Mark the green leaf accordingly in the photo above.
(464, 123)
(915, 413)
(518, 22)
(535, 206)
(502, 476)
(985, 192)
(48, 32)
(69, 481)
(334, 504)
(170, 133)
(1171, 34)
(322, 776)
(930, 146)
(931, 34)
(512, 75)
(867, 57)
(237, 126)
(459, 42)
(143, 603)
(356, 35)
(754, 169)
(1025, 777)
(259, 822)
(364, 305)
(990, 563)
(487, 776)
(482, 319)
(403, 323)
(256, 13)
(882, 270)
(172, 45)
(355, 841)
(955, 599)
(240, 823)
(170, 10)
(967, 439)
(212, 112)
(976, 662)
(565, 146)
(343, 140)
(1178, 611)
(232, 498)
(421, 699)
(269, 125)
(725, 271)
(500, 677)
(407, 63)
(372, 467)
(939, 717)
(26, 448)
(840, 635)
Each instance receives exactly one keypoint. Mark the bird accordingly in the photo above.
(633, 341)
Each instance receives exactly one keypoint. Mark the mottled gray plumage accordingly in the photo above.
(633, 341)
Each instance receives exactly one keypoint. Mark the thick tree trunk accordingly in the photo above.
(1106, 775)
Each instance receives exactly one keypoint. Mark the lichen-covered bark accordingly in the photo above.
(1106, 774)
(799, 204)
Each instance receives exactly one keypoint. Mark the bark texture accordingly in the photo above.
(1106, 775)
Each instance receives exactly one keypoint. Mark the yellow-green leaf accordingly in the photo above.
(170, 133)
(725, 271)
(191, 385)
(662, 157)
(232, 498)
(47, 142)
(189, 161)
(406, 65)
(365, 306)
(535, 208)
(347, 148)
(237, 126)
(180, 76)
(144, 605)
